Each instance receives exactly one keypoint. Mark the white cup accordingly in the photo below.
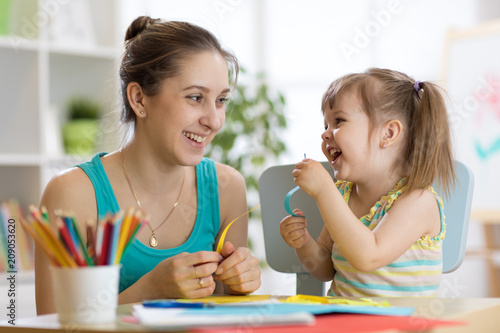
(86, 295)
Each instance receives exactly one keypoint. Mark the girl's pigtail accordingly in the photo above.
(430, 143)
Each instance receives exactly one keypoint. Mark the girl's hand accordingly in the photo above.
(186, 275)
(239, 270)
(311, 176)
(294, 230)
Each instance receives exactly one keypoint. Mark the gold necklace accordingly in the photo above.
(153, 241)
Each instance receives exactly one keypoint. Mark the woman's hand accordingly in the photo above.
(186, 275)
(293, 229)
(239, 270)
(311, 176)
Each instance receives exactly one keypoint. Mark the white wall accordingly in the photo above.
(303, 46)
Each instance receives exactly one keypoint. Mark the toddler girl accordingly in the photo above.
(387, 138)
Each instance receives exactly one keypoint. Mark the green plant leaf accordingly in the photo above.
(251, 135)
(80, 107)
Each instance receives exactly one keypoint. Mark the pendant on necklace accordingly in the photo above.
(153, 241)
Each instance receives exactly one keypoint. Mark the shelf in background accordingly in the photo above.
(84, 50)
(20, 159)
(39, 160)
(19, 43)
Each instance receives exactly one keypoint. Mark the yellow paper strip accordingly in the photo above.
(223, 236)
(310, 299)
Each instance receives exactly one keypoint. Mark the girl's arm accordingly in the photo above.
(314, 256)
(239, 271)
(411, 217)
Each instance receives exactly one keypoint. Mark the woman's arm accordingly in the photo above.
(72, 192)
(240, 270)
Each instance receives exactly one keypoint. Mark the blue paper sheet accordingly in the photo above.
(286, 308)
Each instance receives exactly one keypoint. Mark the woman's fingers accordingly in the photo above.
(240, 271)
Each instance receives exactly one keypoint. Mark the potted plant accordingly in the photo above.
(81, 129)
(251, 137)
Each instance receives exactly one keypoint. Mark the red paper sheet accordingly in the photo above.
(346, 323)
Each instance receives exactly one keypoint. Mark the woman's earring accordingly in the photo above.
(142, 112)
(383, 144)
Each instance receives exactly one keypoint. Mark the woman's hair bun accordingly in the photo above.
(139, 25)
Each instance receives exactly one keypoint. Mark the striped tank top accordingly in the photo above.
(416, 273)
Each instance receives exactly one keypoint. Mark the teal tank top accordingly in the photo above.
(139, 258)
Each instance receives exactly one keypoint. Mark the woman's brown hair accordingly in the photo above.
(420, 107)
(154, 50)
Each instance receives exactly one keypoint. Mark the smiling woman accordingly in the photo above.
(174, 86)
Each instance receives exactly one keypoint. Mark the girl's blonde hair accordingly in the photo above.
(387, 94)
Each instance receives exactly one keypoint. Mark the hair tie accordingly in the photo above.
(417, 86)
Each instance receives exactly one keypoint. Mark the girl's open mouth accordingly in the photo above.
(335, 153)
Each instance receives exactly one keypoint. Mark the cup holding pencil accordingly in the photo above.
(84, 279)
(86, 295)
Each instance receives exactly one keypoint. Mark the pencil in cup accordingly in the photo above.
(64, 245)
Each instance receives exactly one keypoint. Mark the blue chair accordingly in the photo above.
(275, 182)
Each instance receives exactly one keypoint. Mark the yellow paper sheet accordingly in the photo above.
(310, 299)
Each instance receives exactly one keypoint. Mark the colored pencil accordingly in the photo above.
(131, 238)
(44, 213)
(40, 243)
(80, 241)
(36, 214)
(115, 238)
(69, 241)
(53, 244)
(91, 240)
(58, 244)
(69, 226)
(134, 222)
(107, 233)
(98, 239)
(123, 234)
(64, 245)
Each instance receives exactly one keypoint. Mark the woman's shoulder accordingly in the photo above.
(232, 188)
(69, 179)
(227, 169)
(76, 178)
(226, 174)
(69, 190)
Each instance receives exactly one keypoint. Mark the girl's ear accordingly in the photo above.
(136, 99)
(390, 133)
